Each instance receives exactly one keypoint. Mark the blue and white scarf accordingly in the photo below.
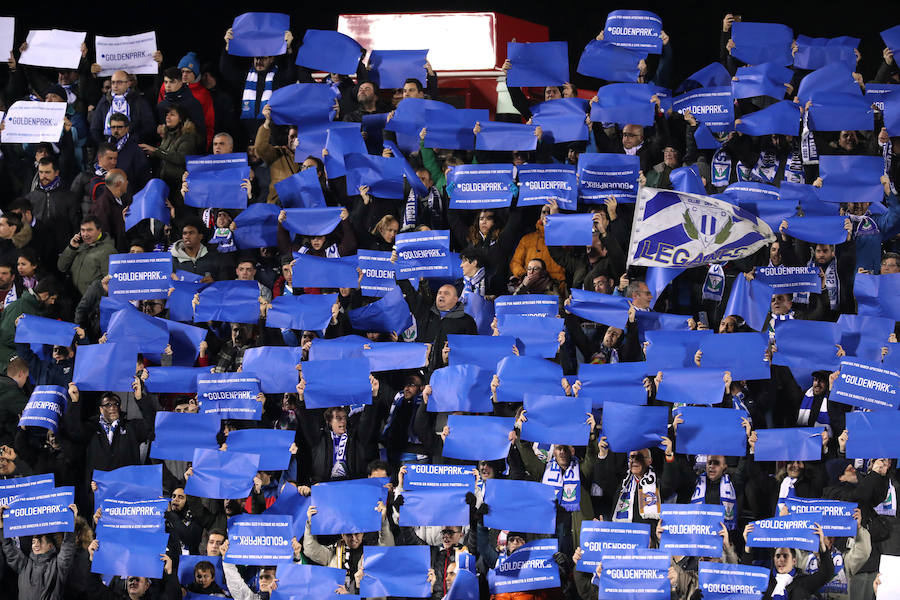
(109, 428)
(248, 99)
(330, 252)
(567, 484)
(647, 498)
(411, 211)
(50, 186)
(224, 238)
(808, 150)
(832, 285)
(473, 285)
(118, 104)
(782, 580)
(806, 411)
(864, 225)
(838, 584)
(339, 449)
(119, 142)
(714, 285)
(774, 318)
(411, 437)
(727, 498)
(888, 506)
(721, 169)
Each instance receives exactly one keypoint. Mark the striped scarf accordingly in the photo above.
(805, 413)
(339, 450)
(774, 318)
(248, 99)
(727, 497)
(887, 153)
(473, 285)
(647, 498)
(118, 104)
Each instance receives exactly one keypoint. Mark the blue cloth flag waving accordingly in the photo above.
(329, 51)
(604, 60)
(391, 68)
(301, 190)
(149, 203)
(757, 43)
(390, 314)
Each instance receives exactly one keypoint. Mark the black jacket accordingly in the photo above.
(432, 328)
(361, 444)
(142, 122)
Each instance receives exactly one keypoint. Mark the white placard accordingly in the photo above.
(55, 48)
(30, 122)
(889, 572)
(7, 36)
(130, 53)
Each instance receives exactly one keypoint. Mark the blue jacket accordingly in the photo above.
(868, 241)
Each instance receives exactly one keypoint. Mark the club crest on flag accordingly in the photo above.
(706, 224)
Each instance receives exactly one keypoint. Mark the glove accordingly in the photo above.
(471, 500)
(483, 509)
(398, 501)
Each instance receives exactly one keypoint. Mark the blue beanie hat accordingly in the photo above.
(190, 61)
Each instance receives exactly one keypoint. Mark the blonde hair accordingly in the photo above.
(383, 223)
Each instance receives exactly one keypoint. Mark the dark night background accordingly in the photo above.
(694, 26)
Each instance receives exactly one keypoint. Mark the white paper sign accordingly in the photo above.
(53, 48)
(31, 122)
(7, 36)
(130, 53)
(889, 573)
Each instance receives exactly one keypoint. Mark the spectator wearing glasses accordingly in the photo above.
(131, 158)
(530, 247)
(122, 99)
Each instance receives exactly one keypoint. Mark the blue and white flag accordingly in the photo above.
(378, 272)
(329, 51)
(30, 122)
(725, 581)
(434, 507)
(529, 567)
(42, 511)
(308, 311)
(396, 571)
(130, 553)
(539, 184)
(105, 367)
(628, 427)
(149, 203)
(232, 301)
(229, 395)
(835, 517)
(527, 506)
(301, 190)
(214, 181)
(624, 104)
(757, 43)
(604, 60)
(492, 434)
(394, 356)
(791, 531)
(692, 529)
(786, 280)
(705, 230)
(873, 434)
(222, 475)
(483, 351)
(569, 230)
(12, 488)
(622, 381)
(603, 175)
(259, 540)
(461, 388)
(178, 434)
(632, 574)
(527, 305)
(439, 476)
(136, 515)
(272, 446)
(789, 443)
(636, 29)
(32, 329)
(275, 367)
(259, 34)
(556, 419)
(875, 295)
(423, 254)
(537, 64)
(712, 106)
(866, 385)
(346, 507)
(45, 407)
(137, 482)
(599, 538)
(480, 186)
(708, 430)
(320, 377)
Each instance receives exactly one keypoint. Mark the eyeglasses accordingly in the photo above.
(533, 269)
(108, 403)
(630, 135)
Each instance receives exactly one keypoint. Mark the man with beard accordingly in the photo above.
(131, 158)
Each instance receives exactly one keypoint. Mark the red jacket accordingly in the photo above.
(205, 99)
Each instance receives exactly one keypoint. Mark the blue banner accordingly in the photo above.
(624, 103)
(465, 388)
(538, 184)
(275, 367)
(806, 345)
(32, 329)
(137, 482)
(712, 75)
(312, 221)
(345, 507)
(465, 586)
(692, 529)
(638, 573)
(409, 116)
(672, 349)
(691, 386)
(601, 538)
(309, 311)
(750, 300)
(791, 531)
(378, 272)
(391, 68)
(480, 186)
(451, 128)
(304, 104)
(789, 443)
(222, 475)
(866, 385)
(482, 310)
(394, 356)
(229, 395)
(600, 308)
(856, 177)
(316, 271)
(105, 367)
(636, 29)
(272, 446)
(622, 381)
(556, 419)
(292, 503)
(214, 181)
(301, 190)
(257, 226)
(757, 43)
(329, 51)
(835, 517)
(834, 77)
(873, 435)
(420, 476)
(230, 301)
(815, 53)
(346, 346)
(711, 431)
(12, 488)
(604, 60)
(529, 567)
(492, 434)
(136, 515)
(537, 64)
(767, 79)
(835, 111)
(875, 295)
(187, 562)
(760, 199)
(320, 377)
(500, 136)
(863, 337)
(438, 507)
(713, 106)
(307, 581)
(185, 342)
(145, 333)
(628, 427)
(45, 510)
(527, 305)
(130, 554)
(561, 120)
(259, 540)
(174, 380)
(423, 254)
(782, 117)
(340, 142)
(539, 336)
(483, 351)
(807, 197)
(45, 407)
(882, 96)
(527, 374)
(725, 581)
(259, 34)
(527, 506)
(396, 571)
(569, 230)
(390, 314)
(384, 176)
(178, 434)
(149, 203)
(785, 280)
(603, 175)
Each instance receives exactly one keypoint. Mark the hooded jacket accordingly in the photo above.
(41, 576)
(87, 262)
(208, 260)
